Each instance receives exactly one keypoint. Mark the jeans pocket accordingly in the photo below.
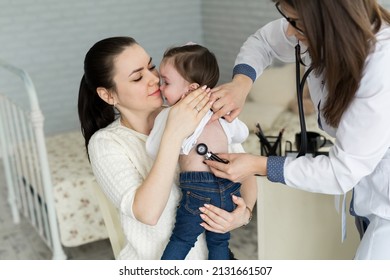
(236, 193)
(194, 201)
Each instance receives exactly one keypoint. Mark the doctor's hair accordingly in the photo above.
(195, 63)
(94, 113)
(340, 35)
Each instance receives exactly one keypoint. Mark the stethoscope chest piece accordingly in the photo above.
(202, 150)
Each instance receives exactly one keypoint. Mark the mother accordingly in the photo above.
(119, 77)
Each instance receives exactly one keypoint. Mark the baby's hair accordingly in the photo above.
(195, 63)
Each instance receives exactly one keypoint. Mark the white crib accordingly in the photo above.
(49, 180)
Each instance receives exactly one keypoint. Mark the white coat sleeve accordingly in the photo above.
(259, 50)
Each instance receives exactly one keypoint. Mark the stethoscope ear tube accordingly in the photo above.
(300, 85)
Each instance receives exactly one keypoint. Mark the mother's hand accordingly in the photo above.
(220, 221)
(187, 113)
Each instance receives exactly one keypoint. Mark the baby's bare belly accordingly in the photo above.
(215, 138)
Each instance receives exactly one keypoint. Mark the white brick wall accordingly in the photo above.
(228, 23)
(49, 39)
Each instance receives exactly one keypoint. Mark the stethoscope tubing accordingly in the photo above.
(300, 85)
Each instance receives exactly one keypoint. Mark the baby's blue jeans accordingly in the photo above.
(199, 188)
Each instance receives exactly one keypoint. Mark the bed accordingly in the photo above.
(49, 179)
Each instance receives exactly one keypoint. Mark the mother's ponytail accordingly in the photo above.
(94, 113)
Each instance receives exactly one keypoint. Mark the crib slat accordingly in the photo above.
(20, 161)
(13, 159)
(37, 181)
(4, 142)
(27, 145)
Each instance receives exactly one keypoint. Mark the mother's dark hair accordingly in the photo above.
(340, 34)
(94, 113)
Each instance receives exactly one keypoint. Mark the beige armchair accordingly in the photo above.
(112, 221)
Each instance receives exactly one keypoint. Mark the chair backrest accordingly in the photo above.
(112, 221)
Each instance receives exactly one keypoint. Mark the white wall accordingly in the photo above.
(228, 23)
(49, 39)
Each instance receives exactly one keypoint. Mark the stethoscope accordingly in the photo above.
(300, 84)
(203, 150)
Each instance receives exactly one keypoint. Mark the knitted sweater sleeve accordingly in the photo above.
(119, 166)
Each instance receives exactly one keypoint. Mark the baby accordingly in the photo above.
(183, 69)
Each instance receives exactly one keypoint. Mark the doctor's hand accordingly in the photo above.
(220, 221)
(229, 98)
(240, 166)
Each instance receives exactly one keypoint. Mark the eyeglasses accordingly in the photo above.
(289, 20)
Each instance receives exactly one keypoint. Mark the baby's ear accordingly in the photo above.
(193, 86)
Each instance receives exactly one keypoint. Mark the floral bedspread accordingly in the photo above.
(78, 214)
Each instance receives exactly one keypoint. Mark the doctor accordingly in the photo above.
(348, 47)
